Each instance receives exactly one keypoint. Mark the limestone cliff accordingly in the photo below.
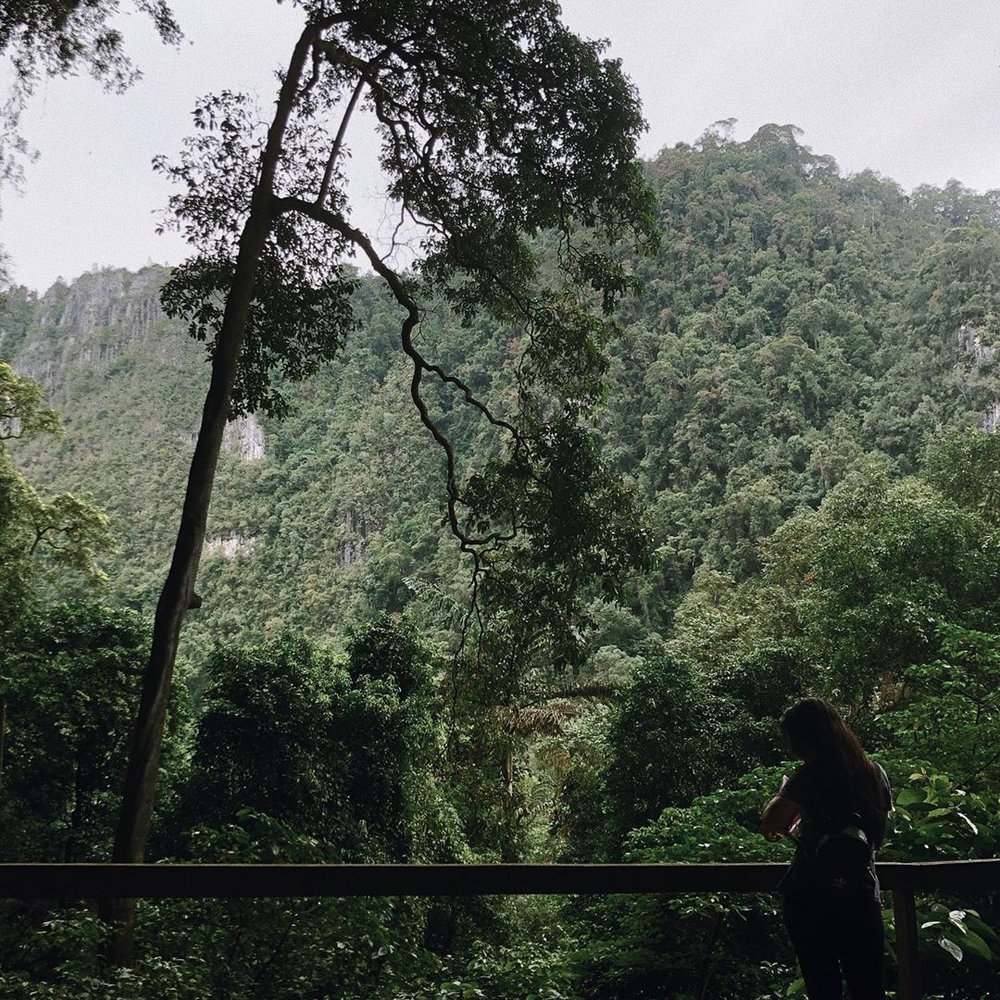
(974, 347)
(94, 321)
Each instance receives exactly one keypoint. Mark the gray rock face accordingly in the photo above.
(352, 548)
(228, 546)
(123, 304)
(244, 437)
(991, 418)
(91, 322)
(971, 344)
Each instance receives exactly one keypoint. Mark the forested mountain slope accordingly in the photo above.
(793, 320)
(293, 538)
(798, 395)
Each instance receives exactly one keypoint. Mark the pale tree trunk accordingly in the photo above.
(178, 591)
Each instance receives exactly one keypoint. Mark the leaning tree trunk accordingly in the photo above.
(178, 591)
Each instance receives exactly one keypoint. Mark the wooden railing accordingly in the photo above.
(172, 881)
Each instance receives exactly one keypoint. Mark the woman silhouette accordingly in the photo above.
(834, 806)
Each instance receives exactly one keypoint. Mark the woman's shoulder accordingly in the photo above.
(885, 788)
(803, 782)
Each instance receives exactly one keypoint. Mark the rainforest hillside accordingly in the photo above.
(793, 321)
(803, 403)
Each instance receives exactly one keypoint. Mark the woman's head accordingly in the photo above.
(814, 730)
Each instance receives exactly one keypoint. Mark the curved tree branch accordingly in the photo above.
(468, 543)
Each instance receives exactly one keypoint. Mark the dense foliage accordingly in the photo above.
(798, 397)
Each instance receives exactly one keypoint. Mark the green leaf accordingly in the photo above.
(974, 943)
(950, 947)
(972, 826)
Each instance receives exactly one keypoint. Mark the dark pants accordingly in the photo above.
(837, 938)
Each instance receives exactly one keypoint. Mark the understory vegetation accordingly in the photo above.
(796, 442)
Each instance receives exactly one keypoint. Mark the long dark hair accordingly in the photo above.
(814, 730)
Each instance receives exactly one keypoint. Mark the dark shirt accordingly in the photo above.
(829, 801)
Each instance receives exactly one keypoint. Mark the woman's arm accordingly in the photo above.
(779, 816)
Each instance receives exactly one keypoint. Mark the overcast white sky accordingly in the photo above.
(910, 88)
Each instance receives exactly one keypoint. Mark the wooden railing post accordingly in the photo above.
(904, 910)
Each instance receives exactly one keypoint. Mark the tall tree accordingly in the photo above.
(496, 122)
(40, 538)
(70, 680)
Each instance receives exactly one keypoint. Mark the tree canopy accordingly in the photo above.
(769, 473)
(494, 125)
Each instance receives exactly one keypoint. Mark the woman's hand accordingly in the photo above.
(779, 816)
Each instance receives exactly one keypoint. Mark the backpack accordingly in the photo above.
(845, 853)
